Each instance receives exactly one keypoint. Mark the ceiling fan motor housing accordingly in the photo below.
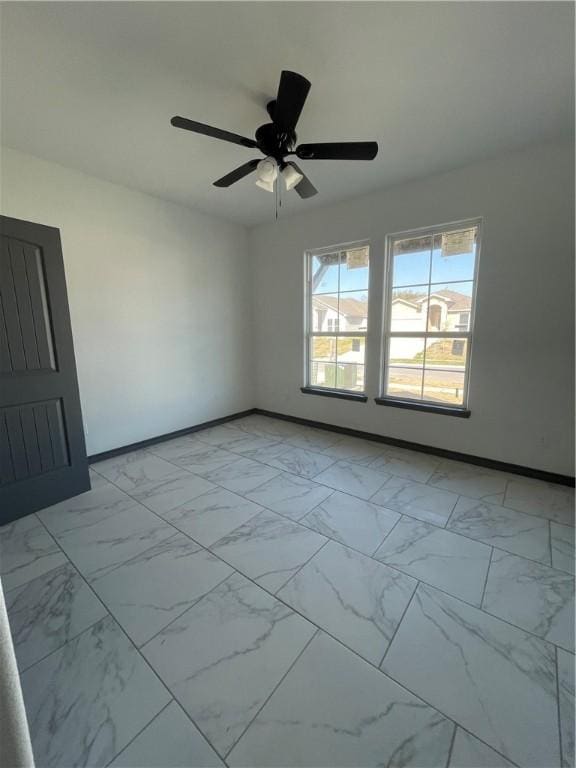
(274, 142)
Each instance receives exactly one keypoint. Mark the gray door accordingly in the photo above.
(42, 449)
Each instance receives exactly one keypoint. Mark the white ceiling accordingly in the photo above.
(93, 86)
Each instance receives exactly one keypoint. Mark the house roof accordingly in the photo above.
(348, 307)
(456, 301)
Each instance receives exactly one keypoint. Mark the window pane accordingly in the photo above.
(354, 269)
(405, 382)
(350, 376)
(454, 256)
(444, 386)
(409, 308)
(351, 349)
(353, 311)
(411, 261)
(324, 312)
(338, 285)
(324, 348)
(450, 305)
(324, 278)
(446, 354)
(431, 292)
(323, 375)
(406, 351)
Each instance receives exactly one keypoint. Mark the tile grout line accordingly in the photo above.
(300, 568)
(180, 615)
(500, 754)
(486, 579)
(267, 699)
(453, 739)
(448, 717)
(548, 643)
(404, 612)
(559, 716)
(112, 568)
(289, 446)
(449, 518)
(505, 493)
(192, 605)
(373, 555)
(68, 640)
(440, 589)
(130, 641)
(139, 733)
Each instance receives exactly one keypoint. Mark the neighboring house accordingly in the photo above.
(349, 315)
(446, 310)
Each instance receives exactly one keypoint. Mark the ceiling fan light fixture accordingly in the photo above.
(267, 185)
(266, 173)
(291, 176)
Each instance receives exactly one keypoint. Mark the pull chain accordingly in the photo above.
(278, 195)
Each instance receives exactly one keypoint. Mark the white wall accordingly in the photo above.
(159, 301)
(522, 384)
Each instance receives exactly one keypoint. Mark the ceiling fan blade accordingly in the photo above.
(208, 130)
(292, 93)
(305, 188)
(237, 174)
(344, 150)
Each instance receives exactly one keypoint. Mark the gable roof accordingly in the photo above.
(348, 307)
(456, 301)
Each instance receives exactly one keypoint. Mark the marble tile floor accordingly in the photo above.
(266, 594)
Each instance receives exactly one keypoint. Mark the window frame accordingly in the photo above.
(407, 402)
(309, 333)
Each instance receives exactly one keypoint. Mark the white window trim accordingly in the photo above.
(387, 313)
(308, 320)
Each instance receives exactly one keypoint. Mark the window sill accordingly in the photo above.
(443, 410)
(334, 393)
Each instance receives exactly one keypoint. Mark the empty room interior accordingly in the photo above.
(287, 384)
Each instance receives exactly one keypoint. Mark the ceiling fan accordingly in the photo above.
(277, 141)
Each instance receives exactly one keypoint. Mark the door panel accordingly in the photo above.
(42, 449)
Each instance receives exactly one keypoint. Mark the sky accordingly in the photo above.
(414, 268)
(409, 269)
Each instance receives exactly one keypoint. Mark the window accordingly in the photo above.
(429, 306)
(337, 292)
(464, 321)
